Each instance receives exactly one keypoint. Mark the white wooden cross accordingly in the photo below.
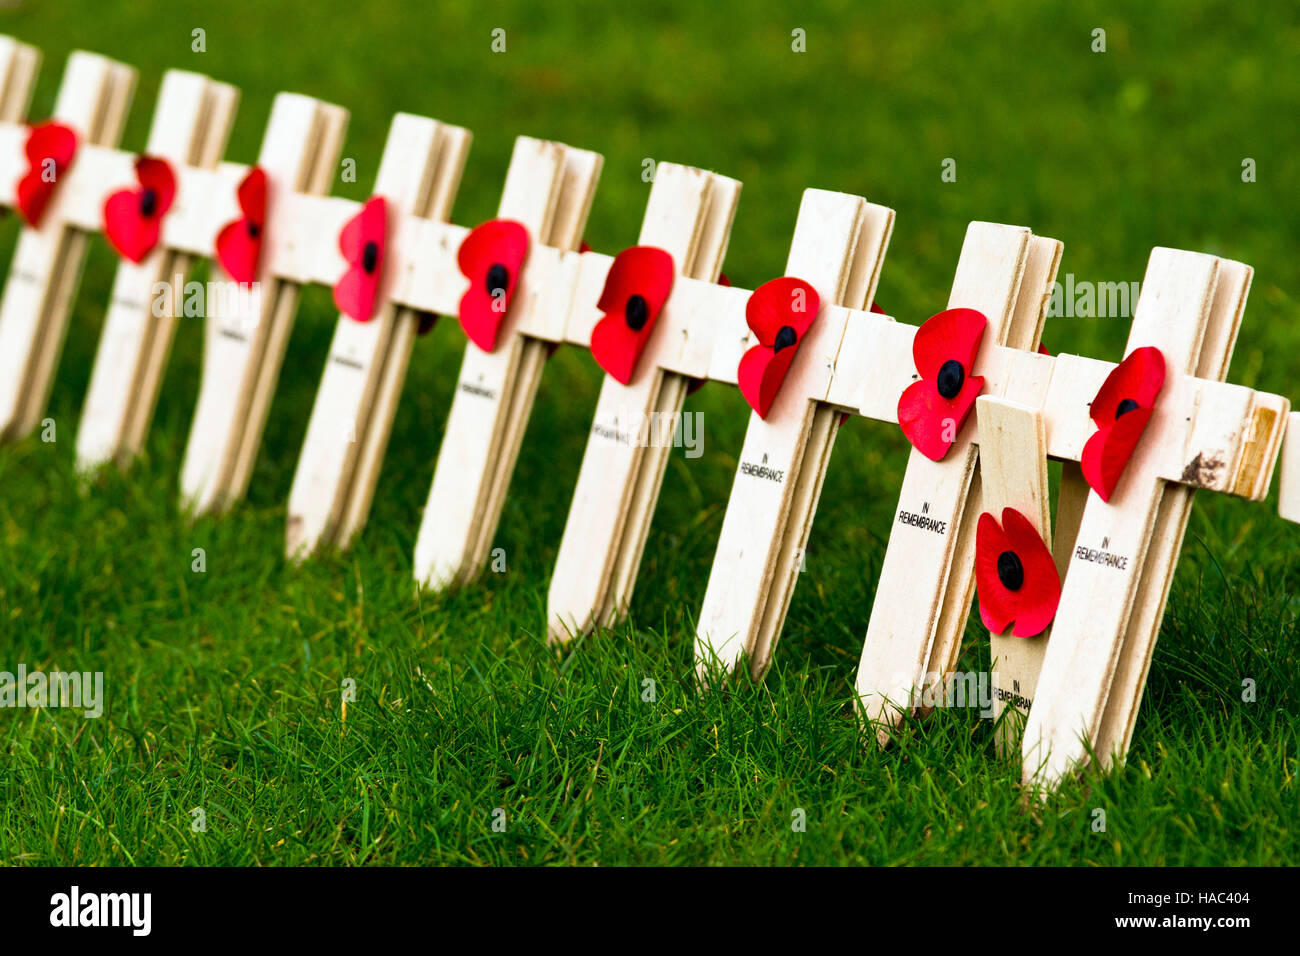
(839, 246)
(689, 215)
(245, 337)
(190, 128)
(766, 526)
(1203, 434)
(93, 100)
(548, 188)
(1206, 434)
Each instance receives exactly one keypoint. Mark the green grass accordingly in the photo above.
(224, 687)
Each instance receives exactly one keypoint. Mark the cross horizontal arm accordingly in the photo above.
(1228, 439)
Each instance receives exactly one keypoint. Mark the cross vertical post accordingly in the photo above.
(1013, 474)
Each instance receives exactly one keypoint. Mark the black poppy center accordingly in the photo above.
(498, 280)
(785, 337)
(1125, 407)
(254, 230)
(637, 312)
(370, 256)
(1010, 571)
(951, 377)
(148, 203)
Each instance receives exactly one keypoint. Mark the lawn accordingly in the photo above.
(224, 688)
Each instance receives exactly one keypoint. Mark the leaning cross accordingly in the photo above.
(689, 215)
(1207, 434)
(1202, 434)
(549, 189)
(189, 130)
(245, 339)
(839, 247)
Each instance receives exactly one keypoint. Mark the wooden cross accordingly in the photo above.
(245, 338)
(549, 188)
(1203, 434)
(37, 300)
(839, 246)
(689, 215)
(927, 577)
(190, 128)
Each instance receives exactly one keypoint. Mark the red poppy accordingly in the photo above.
(239, 244)
(636, 288)
(931, 411)
(133, 217)
(362, 244)
(1122, 408)
(491, 257)
(1042, 349)
(779, 313)
(1015, 575)
(50, 150)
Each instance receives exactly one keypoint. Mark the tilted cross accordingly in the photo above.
(839, 247)
(1202, 434)
(245, 339)
(551, 194)
(688, 215)
(357, 400)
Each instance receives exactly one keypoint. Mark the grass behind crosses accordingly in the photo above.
(224, 687)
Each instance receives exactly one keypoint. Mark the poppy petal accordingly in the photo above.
(50, 149)
(1108, 451)
(126, 230)
(156, 174)
(252, 195)
(954, 334)
(1038, 597)
(239, 244)
(760, 375)
(362, 243)
(931, 422)
(781, 303)
(997, 605)
(642, 274)
(491, 256)
(1138, 379)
